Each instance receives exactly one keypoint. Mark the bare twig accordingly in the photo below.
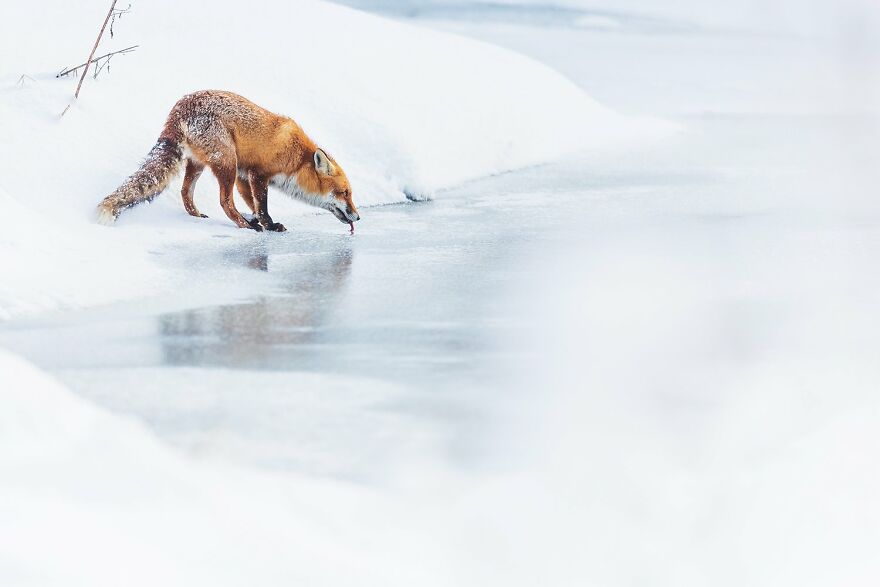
(117, 13)
(24, 77)
(69, 70)
(94, 48)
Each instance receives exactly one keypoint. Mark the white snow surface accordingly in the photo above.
(90, 498)
(404, 110)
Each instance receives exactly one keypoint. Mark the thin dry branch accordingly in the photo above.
(94, 48)
(68, 70)
(118, 13)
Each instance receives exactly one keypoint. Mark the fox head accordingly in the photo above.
(324, 178)
(320, 182)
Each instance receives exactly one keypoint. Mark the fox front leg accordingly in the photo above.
(260, 190)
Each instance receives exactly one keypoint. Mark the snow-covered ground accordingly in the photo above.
(649, 365)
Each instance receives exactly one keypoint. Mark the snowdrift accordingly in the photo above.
(406, 111)
(81, 510)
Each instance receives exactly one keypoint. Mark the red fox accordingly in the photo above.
(244, 145)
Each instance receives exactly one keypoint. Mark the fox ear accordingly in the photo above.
(322, 163)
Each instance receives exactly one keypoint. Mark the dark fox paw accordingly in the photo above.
(252, 223)
(276, 227)
(203, 215)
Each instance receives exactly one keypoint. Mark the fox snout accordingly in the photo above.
(344, 213)
(351, 212)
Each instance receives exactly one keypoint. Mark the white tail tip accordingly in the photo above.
(105, 215)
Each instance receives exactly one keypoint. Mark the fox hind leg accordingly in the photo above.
(193, 171)
(214, 145)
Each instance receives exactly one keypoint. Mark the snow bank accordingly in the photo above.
(50, 265)
(407, 111)
(93, 499)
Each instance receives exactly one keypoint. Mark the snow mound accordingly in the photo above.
(81, 510)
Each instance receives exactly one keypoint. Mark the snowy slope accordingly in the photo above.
(405, 110)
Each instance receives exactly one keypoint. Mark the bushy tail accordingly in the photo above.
(160, 167)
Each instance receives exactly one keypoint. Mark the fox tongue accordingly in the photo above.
(351, 224)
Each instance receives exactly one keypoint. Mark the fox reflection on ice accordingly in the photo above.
(271, 331)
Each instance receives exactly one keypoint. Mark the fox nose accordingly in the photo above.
(356, 217)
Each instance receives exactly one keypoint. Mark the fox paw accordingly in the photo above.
(252, 223)
(276, 227)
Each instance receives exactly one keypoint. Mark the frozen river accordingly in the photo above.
(415, 304)
(669, 353)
